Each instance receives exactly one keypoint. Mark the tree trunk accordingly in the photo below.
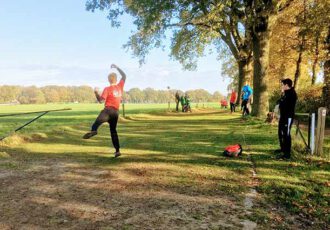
(298, 63)
(326, 88)
(249, 69)
(316, 59)
(260, 44)
(244, 73)
(300, 53)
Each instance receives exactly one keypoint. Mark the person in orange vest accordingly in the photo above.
(233, 98)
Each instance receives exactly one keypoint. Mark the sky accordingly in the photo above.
(60, 43)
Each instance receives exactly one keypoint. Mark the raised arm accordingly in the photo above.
(123, 75)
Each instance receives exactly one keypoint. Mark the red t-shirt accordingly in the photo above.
(233, 97)
(112, 95)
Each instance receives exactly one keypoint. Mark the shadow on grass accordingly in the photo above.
(193, 141)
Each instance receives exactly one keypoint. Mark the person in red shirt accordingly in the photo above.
(224, 103)
(111, 96)
(233, 98)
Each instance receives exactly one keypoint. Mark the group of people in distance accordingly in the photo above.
(246, 99)
(112, 96)
(185, 102)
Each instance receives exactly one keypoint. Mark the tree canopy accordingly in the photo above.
(245, 28)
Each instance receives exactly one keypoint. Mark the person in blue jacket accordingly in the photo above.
(246, 98)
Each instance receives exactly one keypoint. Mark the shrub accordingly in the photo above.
(309, 99)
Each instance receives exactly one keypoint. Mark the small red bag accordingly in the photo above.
(233, 150)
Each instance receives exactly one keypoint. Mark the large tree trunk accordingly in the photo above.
(326, 88)
(241, 79)
(244, 73)
(260, 40)
(249, 69)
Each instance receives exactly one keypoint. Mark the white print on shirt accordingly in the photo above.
(116, 93)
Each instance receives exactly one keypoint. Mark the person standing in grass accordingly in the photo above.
(287, 104)
(177, 100)
(111, 97)
(246, 97)
(183, 103)
(233, 98)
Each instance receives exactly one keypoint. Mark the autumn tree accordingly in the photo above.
(9, 93)
(318, 31)
(31, 95)
(288, 56)
(136, 95)
(51, 94)
(216, 97)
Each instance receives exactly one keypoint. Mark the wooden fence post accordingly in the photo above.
(322, 112)
(123, 109)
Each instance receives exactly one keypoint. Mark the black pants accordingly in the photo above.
(177, 106)
(232, 107)
(245, 107)
(109, 115)
(284, 135)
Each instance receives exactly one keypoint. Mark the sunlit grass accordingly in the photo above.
(170, 154)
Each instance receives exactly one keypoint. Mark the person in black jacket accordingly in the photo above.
(287, 104)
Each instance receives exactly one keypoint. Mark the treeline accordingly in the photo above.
(47, 94)
(85, 94)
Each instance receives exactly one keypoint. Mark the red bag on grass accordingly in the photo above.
(233, 150)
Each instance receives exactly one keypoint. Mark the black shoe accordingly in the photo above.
(278, 151)
(117, 154)
(89, 134)
(287, 157)
(283, 157)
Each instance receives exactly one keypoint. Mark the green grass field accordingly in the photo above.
(171, 174)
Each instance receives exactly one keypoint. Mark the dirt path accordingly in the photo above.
(60, 194)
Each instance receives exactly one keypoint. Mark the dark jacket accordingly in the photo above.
(287, 104)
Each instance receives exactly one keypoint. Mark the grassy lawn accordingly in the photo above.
(171, 174)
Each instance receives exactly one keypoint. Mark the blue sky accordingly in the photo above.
(59, 42)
